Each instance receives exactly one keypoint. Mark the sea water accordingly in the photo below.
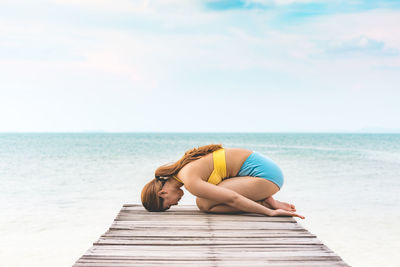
(60, 191)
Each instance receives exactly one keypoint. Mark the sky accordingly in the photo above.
(199, 66)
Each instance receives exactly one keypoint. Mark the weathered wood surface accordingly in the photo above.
(185, 236)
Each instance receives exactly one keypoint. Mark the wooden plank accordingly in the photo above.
(205, 257)
(205, 241)
(190, 223)
(177, 207)
(192, 210)
(231, 247)
(178, 217)
(176, 226)
(212, 263)
(194, 233)
(203, 251)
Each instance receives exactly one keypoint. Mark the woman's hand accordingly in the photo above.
(281, 212)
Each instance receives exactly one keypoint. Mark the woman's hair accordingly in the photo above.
(150, 200)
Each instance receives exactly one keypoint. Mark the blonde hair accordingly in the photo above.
(150, 200)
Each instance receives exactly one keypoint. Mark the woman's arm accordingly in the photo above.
(222, 208)
(222, 195)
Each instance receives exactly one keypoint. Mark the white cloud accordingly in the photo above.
(285, 2)
(380, 25)
(142, 7)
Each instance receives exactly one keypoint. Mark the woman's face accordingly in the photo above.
(171, 196)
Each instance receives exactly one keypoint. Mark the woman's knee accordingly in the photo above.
(205, 204)
(202, 204)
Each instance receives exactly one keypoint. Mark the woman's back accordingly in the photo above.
(204, 166)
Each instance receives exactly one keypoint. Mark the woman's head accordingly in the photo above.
(160, 195)
(157, 196)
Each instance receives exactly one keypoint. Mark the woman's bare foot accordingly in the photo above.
(265, 204)
(276, 204)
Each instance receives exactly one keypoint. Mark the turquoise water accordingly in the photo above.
(60, 192)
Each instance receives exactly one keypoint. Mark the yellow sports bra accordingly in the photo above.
(219, 171)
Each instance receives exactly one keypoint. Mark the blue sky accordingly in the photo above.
(242, 66)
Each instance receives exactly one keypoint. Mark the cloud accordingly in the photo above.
(297, 10)
(360, 45)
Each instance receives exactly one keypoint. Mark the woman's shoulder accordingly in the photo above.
(199, 168)
(235, 150)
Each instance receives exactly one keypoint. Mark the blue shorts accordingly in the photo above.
(258, 165)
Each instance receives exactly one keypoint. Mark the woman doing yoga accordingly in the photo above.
(224, 180)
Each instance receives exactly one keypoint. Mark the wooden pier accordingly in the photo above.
(185, 236)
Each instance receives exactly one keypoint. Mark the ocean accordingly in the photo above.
(60, 191)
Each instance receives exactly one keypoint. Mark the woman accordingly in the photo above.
(224, 180)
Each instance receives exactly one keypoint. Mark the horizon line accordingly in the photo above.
(199, 132)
